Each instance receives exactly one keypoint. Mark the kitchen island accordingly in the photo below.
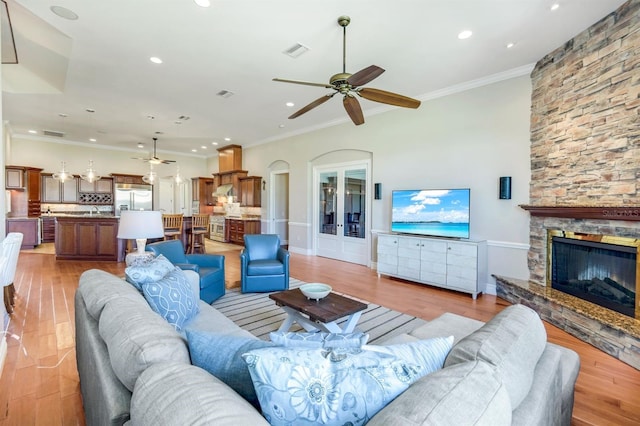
(87, 237)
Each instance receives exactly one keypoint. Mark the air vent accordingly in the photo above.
(53, 133)
(296, 50)
(225, 93)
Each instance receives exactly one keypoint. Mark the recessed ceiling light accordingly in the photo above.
(33, 132)
(465, 34)
(140, 145)
(194, 150)
(155, 60)
(555, 6)
(203, 147)
(510, 45)
(64, 12)
(281, 126)
(214, 143)
(227, 139)
(290, 104)
(92, 139)
(202, 3)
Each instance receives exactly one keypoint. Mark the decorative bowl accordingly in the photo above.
(315, 291)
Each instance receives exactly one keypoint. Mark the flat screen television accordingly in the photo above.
(431, 212)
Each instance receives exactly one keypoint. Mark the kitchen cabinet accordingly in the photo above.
(202, 190)
(33, 191)
(456, 265)
(230, 178)
(237, 228)
(54, 191)
(100, 186)
(14, 177)
(86, 238)
(250, 191)
(28, 227)
(229, 158)
(124, 178)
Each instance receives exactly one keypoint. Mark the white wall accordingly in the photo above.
(468, 139)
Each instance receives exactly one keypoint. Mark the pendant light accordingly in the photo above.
(178, 178)
(150, 177)
(62, 175)
(90, 175)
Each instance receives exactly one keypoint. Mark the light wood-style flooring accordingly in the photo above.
(39, 384)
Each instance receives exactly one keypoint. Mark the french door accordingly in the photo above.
(341, 206)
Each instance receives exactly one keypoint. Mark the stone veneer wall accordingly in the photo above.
(585, 129)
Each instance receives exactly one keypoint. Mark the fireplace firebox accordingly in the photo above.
(597, 268)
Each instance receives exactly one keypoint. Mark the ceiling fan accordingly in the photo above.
(154, 159)
(349, 85)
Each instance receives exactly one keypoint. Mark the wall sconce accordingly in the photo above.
(264, 184)
(377, 191)
(504, 188)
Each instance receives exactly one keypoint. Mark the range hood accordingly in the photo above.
(223, 190)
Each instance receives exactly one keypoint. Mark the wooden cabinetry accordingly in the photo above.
(250, 193)
(237, 228)
(231, 178)
(54, 191)
(131, 179)
(202, 190)
(14, 177)
(86, 238)
(229, 158)
(48, 229)
(100, 186)
(456, 265)
(28, 227)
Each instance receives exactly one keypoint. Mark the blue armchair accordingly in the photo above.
(210, 267)
(264, 265)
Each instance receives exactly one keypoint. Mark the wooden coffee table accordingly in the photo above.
(323, 314)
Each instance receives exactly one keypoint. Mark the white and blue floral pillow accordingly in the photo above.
(172, 297)
(349, 386)
(149, 272)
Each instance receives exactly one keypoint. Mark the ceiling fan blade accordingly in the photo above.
(390, 98)
(365, 75)
(306, 83)
(352, 106)
(312, 105)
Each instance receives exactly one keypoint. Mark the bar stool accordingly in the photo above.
(199, 228)
(172, 226)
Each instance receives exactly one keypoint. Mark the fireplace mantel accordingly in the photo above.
(605, 213)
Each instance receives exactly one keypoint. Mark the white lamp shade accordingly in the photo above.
(138, 224)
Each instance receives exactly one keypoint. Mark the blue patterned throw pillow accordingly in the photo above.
(336, 387)
(220, 355)
(172, 298)
(149, 272)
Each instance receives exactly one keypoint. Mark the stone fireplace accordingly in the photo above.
(585, 170)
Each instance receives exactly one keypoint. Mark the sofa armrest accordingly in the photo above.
(188, 266)
(206, 260)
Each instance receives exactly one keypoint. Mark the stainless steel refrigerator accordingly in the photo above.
(133, 197)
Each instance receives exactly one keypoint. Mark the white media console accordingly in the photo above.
(453, 264)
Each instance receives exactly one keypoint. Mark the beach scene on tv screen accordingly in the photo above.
(431, 212)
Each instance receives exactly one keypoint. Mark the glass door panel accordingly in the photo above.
(354, 202)
(328, 202)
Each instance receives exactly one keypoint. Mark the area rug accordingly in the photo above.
(259, 315)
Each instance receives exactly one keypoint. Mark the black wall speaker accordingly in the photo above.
(377, 191)
(505, 188)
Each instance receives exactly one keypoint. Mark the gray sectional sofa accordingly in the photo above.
(135, 368)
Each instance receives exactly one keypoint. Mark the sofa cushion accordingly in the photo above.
(311, 340)
(181, 394)
(149, 272)
(172, 298)
(469, 393)
(335, 387)
(220, 355)
(137, 338)
(98, 287)
(512, 342)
